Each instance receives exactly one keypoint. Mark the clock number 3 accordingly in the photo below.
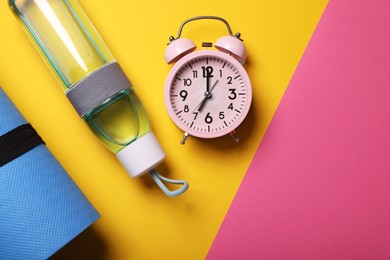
(233, 94)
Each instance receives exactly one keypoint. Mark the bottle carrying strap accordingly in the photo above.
(158, 178)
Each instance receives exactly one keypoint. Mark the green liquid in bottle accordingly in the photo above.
(120, 121)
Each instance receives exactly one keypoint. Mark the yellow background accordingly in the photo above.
(138, 221)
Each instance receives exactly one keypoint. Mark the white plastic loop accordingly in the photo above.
(159, 178)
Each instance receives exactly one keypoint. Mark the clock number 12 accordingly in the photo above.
(207, 71)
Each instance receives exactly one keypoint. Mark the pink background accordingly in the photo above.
(319, 185)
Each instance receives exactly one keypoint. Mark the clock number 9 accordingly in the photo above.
(183, 94)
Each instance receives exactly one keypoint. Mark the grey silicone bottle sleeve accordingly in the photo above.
(97, 87)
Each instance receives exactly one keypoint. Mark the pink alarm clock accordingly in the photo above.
(207, 92)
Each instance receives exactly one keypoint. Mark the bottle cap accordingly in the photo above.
(141, 156)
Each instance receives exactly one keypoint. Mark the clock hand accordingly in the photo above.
(207, 84)
(201, 105)
(207, 95)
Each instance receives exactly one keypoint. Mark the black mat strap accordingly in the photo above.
(17, 142)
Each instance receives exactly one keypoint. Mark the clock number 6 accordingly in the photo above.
(208, 119)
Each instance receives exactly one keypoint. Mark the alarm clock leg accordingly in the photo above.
(183, 141)
(235, 137)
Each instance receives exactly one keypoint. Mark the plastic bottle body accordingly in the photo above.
(71, 45)
(65, 37)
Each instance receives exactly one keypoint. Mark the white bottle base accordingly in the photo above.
(142, 155)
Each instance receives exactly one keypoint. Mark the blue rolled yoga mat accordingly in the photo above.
(41, 208)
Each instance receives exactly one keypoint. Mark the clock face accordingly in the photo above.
(208, 93)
